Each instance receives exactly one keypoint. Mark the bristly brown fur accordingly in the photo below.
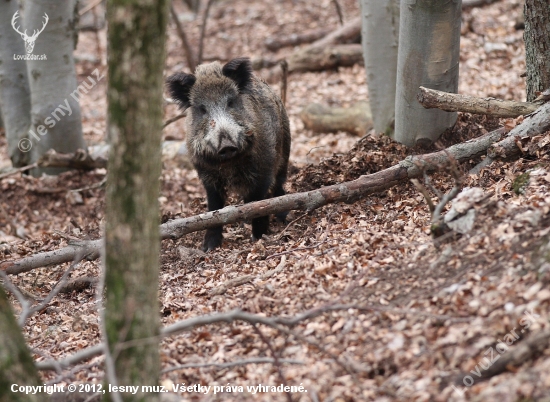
(238, 136)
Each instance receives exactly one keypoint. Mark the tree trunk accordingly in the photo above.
(429, 44)
(15, 100)
(537, 46)
(136, 57)
(380, 38)
(55, 110)
(16, 365)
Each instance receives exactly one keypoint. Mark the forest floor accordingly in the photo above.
(423, 314)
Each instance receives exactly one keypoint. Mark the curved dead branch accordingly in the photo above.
(409, 168)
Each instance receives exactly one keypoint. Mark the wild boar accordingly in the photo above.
(237, 134)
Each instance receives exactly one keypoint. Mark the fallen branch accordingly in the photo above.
(340, 48)
(238, 315)
(276, 43)
(356, 119)
(79, 160)
(259, 63)
(348, 33)
(55, 257)
(18, 170)
(538, 123)
(344, 192)
(174, 119)
(349, 192)
(318, 58)
(431, 98)
(221, 366)
(325, 58)
(184, 41)
(476, 3)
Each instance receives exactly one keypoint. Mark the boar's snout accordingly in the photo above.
(226, 148)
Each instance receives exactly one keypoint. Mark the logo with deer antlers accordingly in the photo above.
(29, 40)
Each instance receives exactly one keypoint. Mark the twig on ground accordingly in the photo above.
(221, 366)
(438, 227)
(14, 290)
(280, 236)
(174, 119)
(26, 309)
(275, 355)
(425, 193)
(280, 323)
(18, 170)
(339, 11)
(476, 3)
(26, 313)
(437, 217)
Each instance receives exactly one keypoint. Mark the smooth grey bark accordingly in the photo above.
(55, 110)
(15, 100)
(380, 39)
(537, 46)
(136, 54)
(429, 45)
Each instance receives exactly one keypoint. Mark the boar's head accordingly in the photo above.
(220, 112)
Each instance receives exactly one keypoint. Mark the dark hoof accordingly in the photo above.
(259, 227)
(212, 240)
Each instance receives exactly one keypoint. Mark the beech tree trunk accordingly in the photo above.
(537, 46)
(429, 45)
(15, 99)
(16, 364)
(136, 54)
(380, 39)
(55, 110)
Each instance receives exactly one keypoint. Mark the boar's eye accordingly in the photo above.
(231, 102)
(201, 109)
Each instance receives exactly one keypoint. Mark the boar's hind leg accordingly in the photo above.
(278, 191)
(213, 237)
(261, 224)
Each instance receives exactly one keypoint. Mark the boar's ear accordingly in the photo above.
(179, 85)
(240, 71)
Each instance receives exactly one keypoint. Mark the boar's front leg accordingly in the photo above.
(261, 224)
(216, 200)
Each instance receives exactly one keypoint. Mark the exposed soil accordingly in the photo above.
(430, 309)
